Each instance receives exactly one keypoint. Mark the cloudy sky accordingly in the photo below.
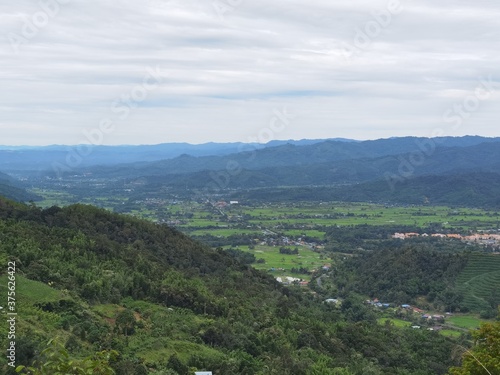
(154, 71)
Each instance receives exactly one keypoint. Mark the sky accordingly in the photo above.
(156, 71)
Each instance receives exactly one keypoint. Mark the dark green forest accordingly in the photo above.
(469, 190)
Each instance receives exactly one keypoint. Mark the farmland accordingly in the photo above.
(294, 218)
(263, 229)
(480, 280)
(286, 264)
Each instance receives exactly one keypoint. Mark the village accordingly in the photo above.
(433, 322)
(486, 239)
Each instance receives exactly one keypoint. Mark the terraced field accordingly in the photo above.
(479, 280)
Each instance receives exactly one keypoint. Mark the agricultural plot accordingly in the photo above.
(53, 198)
(306, 223)
(480, 280)
(465, 321)
(451, 333)
(280, 265)
(291, 219)
(396, 322)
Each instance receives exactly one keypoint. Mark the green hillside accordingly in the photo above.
(9, 188)
(480, 282)
(170, 305)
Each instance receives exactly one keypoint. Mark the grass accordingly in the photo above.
(396, 322)
(53, 198)
(31, 292)
(162, 348)
(223, 232)
(306, 259)
(450, 333)
(465, 321)
(31, 318)
(297, 214)
(109, 311)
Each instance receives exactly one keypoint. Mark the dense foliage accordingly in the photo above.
(469, 190)
(451, 275)
(402, 274)
(484, 357)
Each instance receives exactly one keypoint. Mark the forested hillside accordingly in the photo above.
(444, 275)
(167, 304)
(475, 189)
(10, 189)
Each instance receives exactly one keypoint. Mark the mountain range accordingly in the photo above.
(403, 170)
(36, 158)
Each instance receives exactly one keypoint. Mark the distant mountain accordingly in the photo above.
(288, 170)
(158, 159)
(22, 158)
(351, 156)
(390, 166)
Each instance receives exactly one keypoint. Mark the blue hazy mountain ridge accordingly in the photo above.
(23, 158)
(332, 162)
(16, 158)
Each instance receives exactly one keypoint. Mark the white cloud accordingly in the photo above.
(222, 78)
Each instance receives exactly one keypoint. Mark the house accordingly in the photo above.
(203, 373)
(417, 310)
(332, 300)
(406, 306)
(411, 235)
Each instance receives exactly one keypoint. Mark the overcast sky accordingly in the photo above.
(195, 71)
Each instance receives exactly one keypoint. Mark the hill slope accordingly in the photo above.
(104, 281)
(480, 282)
(9, 188)
(462, 190)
